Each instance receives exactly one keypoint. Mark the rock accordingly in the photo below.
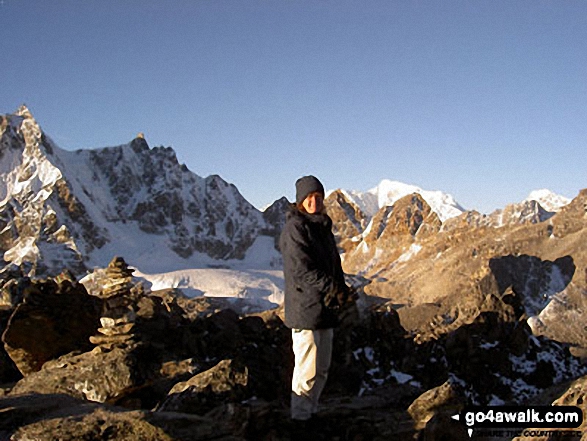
(575, 395)
(160, 351)
(225, 382)
(148, 190)
(218, 335)
(447, 399)
(9, 373)
(572, 394)
(110, 341)
(348, 219)
(564, 318)
(119, 329)
(101, 376)
(12, 283)
(119, 278)
(441, 427)
(274, 217)
(120, 305)
(51, 321)
(50, 417)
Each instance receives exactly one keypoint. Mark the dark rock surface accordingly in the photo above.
(161, 366)
(52, 320)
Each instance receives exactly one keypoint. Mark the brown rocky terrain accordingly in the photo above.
(473, 310)
(458, 259)
(156, 365)
(348, 220)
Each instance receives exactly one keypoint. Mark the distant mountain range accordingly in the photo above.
(389, 192)
(77, 209)
(466, 306)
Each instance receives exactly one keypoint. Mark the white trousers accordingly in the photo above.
(313, 353)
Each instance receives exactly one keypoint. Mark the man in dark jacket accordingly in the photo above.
(314, 284)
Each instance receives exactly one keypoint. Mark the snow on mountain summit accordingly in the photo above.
(389, 192)
(61, 208)
(549, 200)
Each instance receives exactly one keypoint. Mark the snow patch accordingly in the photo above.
(401, 377)
(260, 286)
(411, 252)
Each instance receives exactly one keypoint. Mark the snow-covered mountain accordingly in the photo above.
(549, 200)
(77, 210)
(389, 192)
(61, 209)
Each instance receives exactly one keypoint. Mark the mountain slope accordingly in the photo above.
(549, 200)
(78, 209)
(483, 259)
(387, 193)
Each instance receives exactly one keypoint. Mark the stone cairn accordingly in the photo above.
(119, 314)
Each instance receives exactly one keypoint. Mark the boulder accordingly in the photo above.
(54, 416)
(53, 320)
(447, 399)
(564, 318)
(225, 382)
(9, 373)
(101, 376)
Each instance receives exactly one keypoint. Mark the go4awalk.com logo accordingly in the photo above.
(520, 417)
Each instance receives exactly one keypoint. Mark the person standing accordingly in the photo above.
(314, 287)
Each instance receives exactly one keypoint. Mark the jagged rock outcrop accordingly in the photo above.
(274, 217)
(387, 193)
(194, 363)
(392, 233)
(62, 209)
(526, 212)
(348, 220)
(33, 192)
(457, 261)
(52, 320)
(564, 318)
(225, 382)
(405, 218)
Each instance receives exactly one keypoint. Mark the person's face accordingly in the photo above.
(314, 203)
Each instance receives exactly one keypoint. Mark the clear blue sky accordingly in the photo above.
(485, 100)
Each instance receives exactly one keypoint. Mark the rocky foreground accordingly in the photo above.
(122, 363)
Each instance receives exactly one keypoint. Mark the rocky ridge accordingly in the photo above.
(195, 369)
(482, 309)
(73, 209)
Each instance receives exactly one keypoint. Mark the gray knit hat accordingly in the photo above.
(306, 185)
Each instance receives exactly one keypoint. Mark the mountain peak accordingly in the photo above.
(549, 200)
(24, 112)
(388, 192)
(63, 208)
